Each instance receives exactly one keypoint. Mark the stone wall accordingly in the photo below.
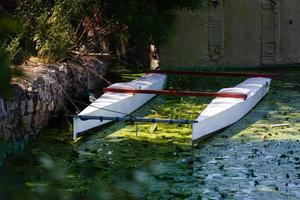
(39, 95)
(236, 33)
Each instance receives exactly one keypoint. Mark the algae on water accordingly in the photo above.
(250, 160)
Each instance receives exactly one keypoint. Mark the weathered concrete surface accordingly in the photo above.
(290, 32)
(236, 33)
(189, 44)
(242, 43)
(39, 96)
(216, 34)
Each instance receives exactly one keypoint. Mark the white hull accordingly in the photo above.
(222, 112)
(119, 102)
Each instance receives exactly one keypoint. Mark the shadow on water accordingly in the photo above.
(248, 160)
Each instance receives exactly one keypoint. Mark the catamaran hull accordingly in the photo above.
(113, 104)
(223, 112)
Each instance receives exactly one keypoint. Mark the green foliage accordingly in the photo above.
(54, 27)
(48, 26)
(5, 75)
(13, 49)
(8, 27)
(9, 30)
(54, 34)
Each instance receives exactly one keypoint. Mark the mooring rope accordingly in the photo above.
(95, 73)
(109, 110)
(70, 99)
(81, 102)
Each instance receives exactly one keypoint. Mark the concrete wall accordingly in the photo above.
(236, 33)
(190, 42)
(289, 32)
(242, 43)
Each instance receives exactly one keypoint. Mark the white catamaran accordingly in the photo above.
(112, 104)
(121, 99)
(222, 112)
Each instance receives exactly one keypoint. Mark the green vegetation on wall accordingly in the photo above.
(51, 29)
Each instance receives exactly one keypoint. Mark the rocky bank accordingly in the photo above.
(38, 95)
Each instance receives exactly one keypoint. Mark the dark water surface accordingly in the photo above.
(252, 159)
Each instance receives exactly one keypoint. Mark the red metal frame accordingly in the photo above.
(194, 73)
(178, 93)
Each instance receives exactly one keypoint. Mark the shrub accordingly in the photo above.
(53, 27)
(5, 75)
(9, 30)
(48, 27)
(54, 35)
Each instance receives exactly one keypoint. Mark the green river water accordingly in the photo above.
(250, 160)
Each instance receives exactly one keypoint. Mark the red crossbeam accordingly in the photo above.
(178, 93)
(193, 73)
